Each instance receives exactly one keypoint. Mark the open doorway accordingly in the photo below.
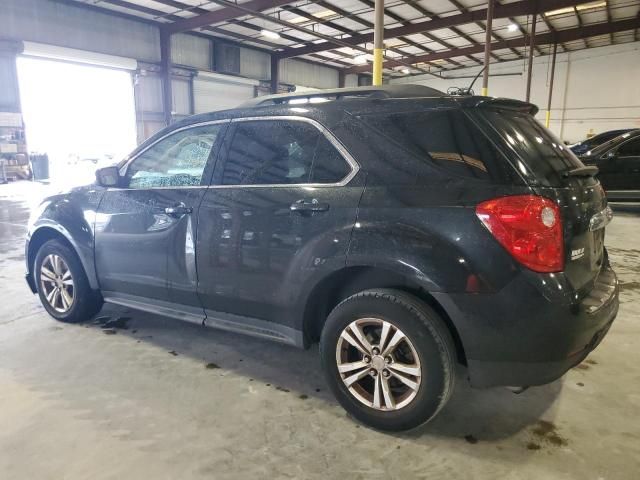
(82, 116)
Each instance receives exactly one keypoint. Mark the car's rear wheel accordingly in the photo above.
(389, 359)
(63, 287)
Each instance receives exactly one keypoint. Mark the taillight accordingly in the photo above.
(529, 227)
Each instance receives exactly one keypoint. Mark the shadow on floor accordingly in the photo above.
(489, 414)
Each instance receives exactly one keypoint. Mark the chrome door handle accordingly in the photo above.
(178, 210)
(304, 206)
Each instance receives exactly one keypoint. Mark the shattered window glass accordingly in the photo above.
(176, 161)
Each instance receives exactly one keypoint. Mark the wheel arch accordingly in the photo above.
(341, 284)
(47, 232)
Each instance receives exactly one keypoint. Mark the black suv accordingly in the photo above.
(618, 162)
(404, 229)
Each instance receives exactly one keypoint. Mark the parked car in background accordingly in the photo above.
(584, 146)
(618, 162)
(403, 229)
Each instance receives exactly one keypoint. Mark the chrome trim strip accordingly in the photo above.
(355, 167)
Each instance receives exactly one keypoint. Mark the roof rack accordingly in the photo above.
(320, 96)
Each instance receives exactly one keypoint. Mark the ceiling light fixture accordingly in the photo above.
(512, 27)
(406, 71)
(269, 34)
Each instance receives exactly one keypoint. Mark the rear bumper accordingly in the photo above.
(528, 334)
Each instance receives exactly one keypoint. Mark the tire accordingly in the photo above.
(85, 303)
(397, 407)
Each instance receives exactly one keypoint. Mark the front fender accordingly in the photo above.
(70, 215)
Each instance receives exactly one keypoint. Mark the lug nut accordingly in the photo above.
(366, 359)
(387, 360)
(376, 351)
(385, 373)
(373, 372)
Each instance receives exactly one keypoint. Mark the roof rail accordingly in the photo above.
(320, 96)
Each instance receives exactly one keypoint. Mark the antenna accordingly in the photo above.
(460, 91)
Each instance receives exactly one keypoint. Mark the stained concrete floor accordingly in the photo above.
(167, 400)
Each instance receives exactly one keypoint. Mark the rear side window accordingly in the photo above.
(630, 148)
(446, 138)
(539, 151)
(274, 152)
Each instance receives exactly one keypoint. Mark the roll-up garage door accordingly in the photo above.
(218, 92)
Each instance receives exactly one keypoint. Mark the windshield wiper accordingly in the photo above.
(587, 171)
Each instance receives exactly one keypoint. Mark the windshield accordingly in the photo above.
(540, 153)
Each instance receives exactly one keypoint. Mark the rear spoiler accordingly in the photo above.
(499, 104)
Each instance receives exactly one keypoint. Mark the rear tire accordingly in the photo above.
(386, 385)
(62, 284)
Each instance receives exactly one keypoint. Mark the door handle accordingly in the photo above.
(178, 210)
(306, 206)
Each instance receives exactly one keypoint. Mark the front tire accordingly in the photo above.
(62, 284)
(388, 358)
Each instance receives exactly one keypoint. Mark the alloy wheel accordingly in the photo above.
(56, 282)
(378, 364)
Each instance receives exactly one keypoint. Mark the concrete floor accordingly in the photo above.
(167, 400)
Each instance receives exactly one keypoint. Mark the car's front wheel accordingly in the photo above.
(389, 359)
(63, 287)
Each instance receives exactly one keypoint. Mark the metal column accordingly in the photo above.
(341, 78)
(378, 42)
(165, 61)
(532, 45)
(553, 71)
(275, 73)
(487, 49)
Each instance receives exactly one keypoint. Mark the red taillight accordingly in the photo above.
(529, 227)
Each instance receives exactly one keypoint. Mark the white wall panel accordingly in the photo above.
(296, 72)
(594, 90)
(213, 92)
(181, 96)
(191, 51)
(65, 25)
(255, 64)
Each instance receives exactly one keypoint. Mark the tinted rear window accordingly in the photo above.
(541, 154)
(445, 138)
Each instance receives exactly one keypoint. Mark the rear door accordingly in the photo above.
(145, 229)
(280, 210)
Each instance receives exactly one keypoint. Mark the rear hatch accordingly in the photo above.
(553, 171)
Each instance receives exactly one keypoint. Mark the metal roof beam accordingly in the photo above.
(514, 9)
(568, 35)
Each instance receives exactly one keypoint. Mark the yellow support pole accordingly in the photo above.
(547, 119)
(377, 66)
(378, 42)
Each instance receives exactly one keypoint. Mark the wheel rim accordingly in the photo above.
(378, 364)
(57, 283)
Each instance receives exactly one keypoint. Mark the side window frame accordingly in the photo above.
(223, 154)
(212, 160)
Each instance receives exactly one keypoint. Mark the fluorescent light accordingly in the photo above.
(270, 34)
(584, 6)
(324, 14)
(406, 70)
(512, 27)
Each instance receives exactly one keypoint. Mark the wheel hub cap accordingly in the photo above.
(378, 364)
(56, 283)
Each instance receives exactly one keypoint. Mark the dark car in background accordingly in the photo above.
(581, 148)
(618, 162)
(404, 230)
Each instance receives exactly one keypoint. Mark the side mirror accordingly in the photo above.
(108, 176)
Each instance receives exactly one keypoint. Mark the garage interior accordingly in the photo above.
(82, 82)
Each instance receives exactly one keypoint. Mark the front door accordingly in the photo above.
(280, 210)
(145, 229)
